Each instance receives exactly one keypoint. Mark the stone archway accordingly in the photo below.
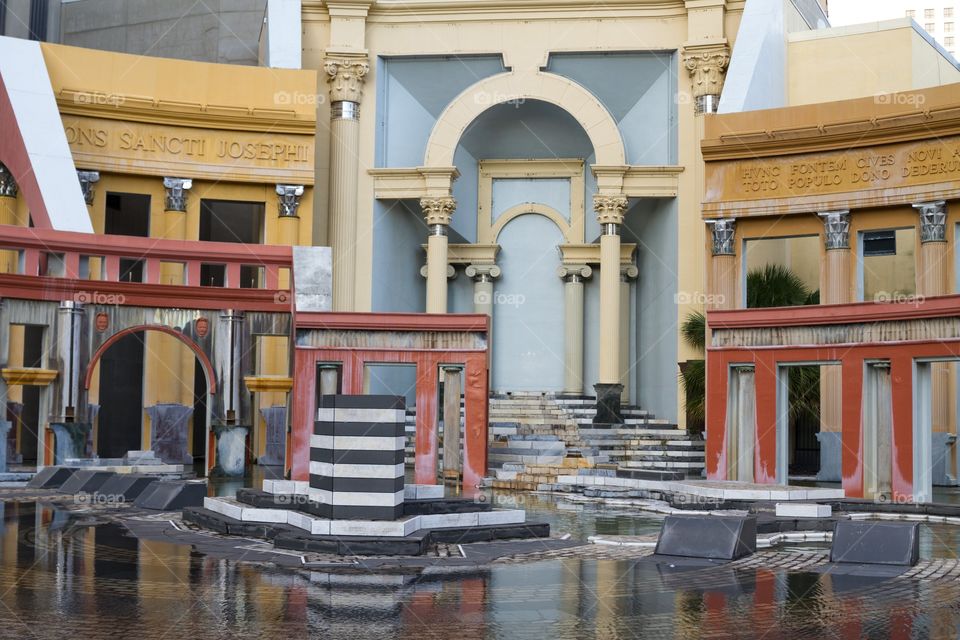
(168, 433)
(518, 86)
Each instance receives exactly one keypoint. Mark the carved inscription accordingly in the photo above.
(889, 166)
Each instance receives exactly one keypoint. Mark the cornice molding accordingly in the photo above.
(904, 127)
(28, 376)
(150, 110)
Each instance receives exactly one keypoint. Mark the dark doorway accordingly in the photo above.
(121, 397)
(30, 428)
(127, 214)
(199, 412)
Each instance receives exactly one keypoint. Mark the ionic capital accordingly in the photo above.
(289, 199)
(837, 227)
(574, 272)
(724, 231)
(609, 209)
(345, 77)
(8, 185)
(176, 193)
(629, 272)
(438, 210)
(482, 272)
(451, 272)
(87, 180)
(933, 221)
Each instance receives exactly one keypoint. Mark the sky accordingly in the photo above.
(843, 12)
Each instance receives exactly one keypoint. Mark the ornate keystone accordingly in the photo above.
(438, 210)
(8, 186)
(482, 272)
(933, 221)
(707, 67)
(574, 272)
(87, 180)
(837, 227)
(289, 197)
(345, 77)
(609, 209)
(723, 236)
(176, 196)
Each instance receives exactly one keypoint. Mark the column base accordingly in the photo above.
(608, 403)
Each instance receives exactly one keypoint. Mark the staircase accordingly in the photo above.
(536, 437)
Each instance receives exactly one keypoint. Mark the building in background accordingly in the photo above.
(226, 32)
(936, 17)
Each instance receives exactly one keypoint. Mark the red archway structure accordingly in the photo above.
(204, 360)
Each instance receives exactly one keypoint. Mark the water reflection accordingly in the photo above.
(62, 575)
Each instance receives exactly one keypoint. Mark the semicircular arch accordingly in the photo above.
(518, 86)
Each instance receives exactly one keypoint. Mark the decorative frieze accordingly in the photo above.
(933, 221)
(8, 185)
(289, 199)
(438, 211)
(724, 231)
(707, 66)
(345, 77)
(176, 193)
(87, 180)
(609, 209)
(837, 229)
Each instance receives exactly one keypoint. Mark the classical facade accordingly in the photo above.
(869, 191)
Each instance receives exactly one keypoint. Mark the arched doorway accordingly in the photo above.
(154, 386)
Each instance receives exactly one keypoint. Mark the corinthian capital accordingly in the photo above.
(438, 210)
(933, 221)
(837, 229)
(345, 75)
(724, 236)
(609, 209)
(707, 66)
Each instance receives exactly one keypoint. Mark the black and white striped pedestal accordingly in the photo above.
(356, 458)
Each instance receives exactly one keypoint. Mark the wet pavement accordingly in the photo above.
(66, 574)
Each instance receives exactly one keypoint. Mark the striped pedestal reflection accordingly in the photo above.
(356, 457)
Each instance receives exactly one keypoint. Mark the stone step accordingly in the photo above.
(662, 464)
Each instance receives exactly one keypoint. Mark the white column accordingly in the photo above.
(573, 277)
(437, 213)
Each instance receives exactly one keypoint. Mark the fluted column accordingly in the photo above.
(610, 210)
(345, 76)
(452, 383)
(933, 280)
(288, 222)
(573, 277)
(8, 215)
(723, 266)
(437, 212)
(628, 274)
(834, 289)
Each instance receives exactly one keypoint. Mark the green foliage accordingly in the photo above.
(775, 286)
(693, 378)
(770, 286)
(694, 330)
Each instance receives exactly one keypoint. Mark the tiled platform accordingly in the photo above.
(707, 489)
(405, 526)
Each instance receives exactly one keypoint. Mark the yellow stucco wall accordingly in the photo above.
(873, 59)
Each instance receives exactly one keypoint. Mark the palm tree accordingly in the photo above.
(769, 286)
